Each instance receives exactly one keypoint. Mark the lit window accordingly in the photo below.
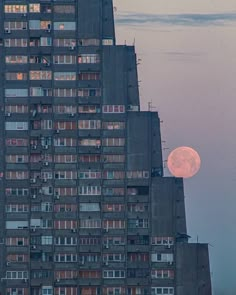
(34, 8)
(15, 8)
(64, 26)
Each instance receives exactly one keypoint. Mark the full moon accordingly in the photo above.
(183, 162)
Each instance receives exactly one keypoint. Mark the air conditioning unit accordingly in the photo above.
(45, 180)
(48, 64)
(25, 280)
(8, 114)
(34, 196)
(168, 246)
(57, 131)
(34, 147)
(33, 229)
(23, 15)
(7, 31)
(73, 230)
(57, 280)
(170, 262)
(8, 263)
(33, 180)
(33, 247)
(106, 263)
(72, 47)
(45, 147)
(72, 115)
(57, 197)
(45, 164)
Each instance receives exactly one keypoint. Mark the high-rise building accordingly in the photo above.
(84, 206)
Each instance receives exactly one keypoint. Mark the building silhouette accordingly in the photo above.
(85, 208)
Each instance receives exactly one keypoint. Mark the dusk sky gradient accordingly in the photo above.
(188, 70)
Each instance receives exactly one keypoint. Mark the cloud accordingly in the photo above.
(135, 19)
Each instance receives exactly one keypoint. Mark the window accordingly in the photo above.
(89, 42)
(16, 76)
(90, 190)
(89, 124)
(65, 257)
(17, 241)
(64, 42)
(111, 240)
(162, 274)
(107, 42)
(137, 223)
(115, 191)
(113, 224)
(138, 240)
(65, 159)
(64, 9)
(89, 109)
(16, 92)
(16, 275)
(65, 208)
(89, 258)
(137, 190)
(89, 76)
(17, 192)
(113, 207)
(15, 42)
(113, 109)
(138, 207)
(16, 59)
(39, 91)
(89, 240)
(113, 125)
(34, 8)
(65, 191)
(162, 257)
(65, 76)
(162, 241)
(114, 158)
(163, 290)
(17, 208)
(89, 207)
(64, 141)
(89, 274)
(15, 25)
(67, 174)
(116, 141)
(17, 224)
(64, 92)
(64, 59)
(45, 41)
(40, 75)
(65, 290)
(111, 257)
(137, 174)
(90, 223)
(113, 174)
(113, 274)
(138, 273)
(64, 109)
(89, 174)
(46, 240)
(65, 224)
(90, 142)
(66, 274)
(89, 92)
(89, 158)
(17, 175)
(64, 240)
(138, 257)
(47, 290)
(61, 26)
(17, 159)
(65, 125)
(88, 58)
(15, 8)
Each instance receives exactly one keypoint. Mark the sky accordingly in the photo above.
(188, 71)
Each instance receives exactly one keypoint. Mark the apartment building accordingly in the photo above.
(85, 207)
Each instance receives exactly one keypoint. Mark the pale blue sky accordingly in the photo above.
(188, 70)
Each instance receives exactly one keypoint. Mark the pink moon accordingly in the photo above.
(184, 162)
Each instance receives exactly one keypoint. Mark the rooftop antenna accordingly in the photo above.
(150, 106)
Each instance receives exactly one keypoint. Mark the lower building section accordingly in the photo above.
(192, 269)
